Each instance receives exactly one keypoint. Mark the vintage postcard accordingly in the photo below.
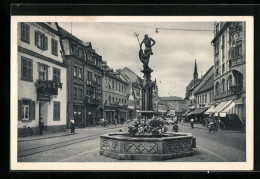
(132, 93)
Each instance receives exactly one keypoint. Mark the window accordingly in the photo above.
(217, 88)
(56, 111)
(99, 80)
(205, 98)
(27, 69)
(80, 93)
(26, 109)
(81, 55)
(239, 50)
(223, 85)
(113, 84)
(202, 98)
(54, 47)
(89, 75)
(229, 83)
(80, 73)
(216, 48)
(25, 32)
(41, 41)
(75, 92)
(43, 72)
(113, 100)
(223, 68)
(109, 99)
(96, 79)
(56, 75)
(25, 114)
(75, 74)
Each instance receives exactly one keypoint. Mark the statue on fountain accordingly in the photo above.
(144, 56)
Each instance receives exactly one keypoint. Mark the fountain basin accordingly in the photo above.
(122, 146)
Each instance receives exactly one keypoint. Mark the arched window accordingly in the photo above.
(217, 88)
(229, 83)
(223, 85)
(239, 81)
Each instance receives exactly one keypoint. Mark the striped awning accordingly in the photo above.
(210, 110)
(199, 110)
(220, 106)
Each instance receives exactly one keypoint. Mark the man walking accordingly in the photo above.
(41, 125)
(72, 125)
(192, 123)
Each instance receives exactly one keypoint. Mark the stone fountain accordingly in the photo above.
(169, 145)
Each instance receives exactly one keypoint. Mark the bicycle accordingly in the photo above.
(26, 131)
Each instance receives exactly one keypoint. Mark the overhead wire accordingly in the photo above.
(162, 28)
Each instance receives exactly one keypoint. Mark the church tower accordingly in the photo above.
(195, 73)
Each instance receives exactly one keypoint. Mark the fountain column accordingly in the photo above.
(147, 95)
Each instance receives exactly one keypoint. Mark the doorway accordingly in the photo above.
(77, 116)
(43, 112)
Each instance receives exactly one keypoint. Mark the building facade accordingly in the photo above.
(115, 97)
(204, 92)
(229, 44)
(83, 80)
(176, 104)
(42, 75)
(134, 91)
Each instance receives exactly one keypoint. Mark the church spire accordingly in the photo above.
(195, 74)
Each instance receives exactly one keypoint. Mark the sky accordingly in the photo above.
(173, 56)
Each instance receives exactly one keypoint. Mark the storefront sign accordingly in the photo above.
(41, 97)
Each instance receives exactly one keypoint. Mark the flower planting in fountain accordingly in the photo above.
(154, 126)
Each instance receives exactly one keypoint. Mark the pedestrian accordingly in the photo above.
(219, 121)
(115, 121)
(72, 125)
(192, 122)
(41, 125)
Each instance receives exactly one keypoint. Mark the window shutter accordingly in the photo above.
(36, 38)
(45, 42)
(28, 33)
(20, 110)
(32, 110)
(54, 111)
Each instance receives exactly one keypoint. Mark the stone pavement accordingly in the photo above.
(67, 133)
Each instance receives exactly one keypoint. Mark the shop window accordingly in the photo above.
(25, 32)
(27, 69)
(41, 41)
(56, 75)
(56, 111)
(43, 72)
(54, 47)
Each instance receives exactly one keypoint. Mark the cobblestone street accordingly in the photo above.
(84, 146)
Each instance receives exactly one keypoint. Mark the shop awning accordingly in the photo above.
(224, 106)
(209, 110)
(229, 109)
(218, 107)
(199, 110)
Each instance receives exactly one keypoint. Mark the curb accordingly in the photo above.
(61, 135)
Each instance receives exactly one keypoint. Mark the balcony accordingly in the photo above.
(236, 89)
(92, 83)
(46, 89)
(236, 61)
(92, 101)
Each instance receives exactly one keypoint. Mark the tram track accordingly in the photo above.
(40, 149)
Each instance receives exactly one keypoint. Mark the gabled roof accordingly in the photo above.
(64, 33)
(207, 86)
(171, 98)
